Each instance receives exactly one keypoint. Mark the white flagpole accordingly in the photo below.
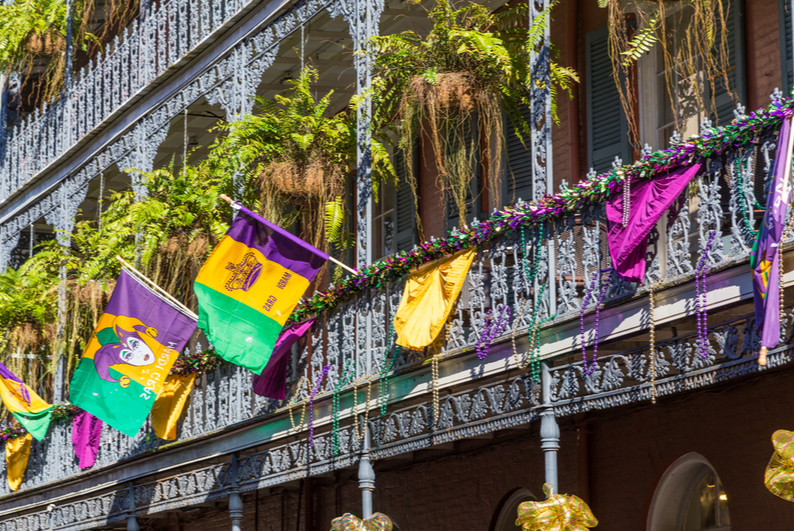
(343, 266)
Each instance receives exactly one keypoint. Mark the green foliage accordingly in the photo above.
(33, 32)
(295, 159)
(641, 42)
(453, 85)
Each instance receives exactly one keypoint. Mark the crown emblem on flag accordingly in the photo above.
(244, 274)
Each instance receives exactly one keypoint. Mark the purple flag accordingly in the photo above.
(649, 199)
(764, 256)
(272, 383)
(86, 434)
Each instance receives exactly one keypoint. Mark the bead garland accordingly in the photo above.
(320, 377)
(625, 200)
(383, 377)
(652, 345)
(360, 434)
(492, 329)
(344, 379)
(738, 169)
(435, 376)
(596, 275)
(303, 408)
(702, 333)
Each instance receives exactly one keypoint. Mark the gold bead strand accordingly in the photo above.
(360, 435)
(303, 408)
(522, 366)
(652, 345)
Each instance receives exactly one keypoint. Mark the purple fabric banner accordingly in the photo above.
(272, 383)
(86, 434)
(764, 256)
(276, 244)
(649, 199)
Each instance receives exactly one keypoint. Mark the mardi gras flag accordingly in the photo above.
(128, 357)
(250, 286)
(764, 255)
(27, 407)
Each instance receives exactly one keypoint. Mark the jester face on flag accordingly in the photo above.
(27, 407)
(249, 287)
(128, 357)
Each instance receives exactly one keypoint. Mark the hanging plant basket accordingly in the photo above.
(45, 44)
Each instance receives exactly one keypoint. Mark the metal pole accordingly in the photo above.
(235, 503)
(366, 476)
(67, 75)
(550, 433)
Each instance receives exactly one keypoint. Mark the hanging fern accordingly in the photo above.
(641, 43)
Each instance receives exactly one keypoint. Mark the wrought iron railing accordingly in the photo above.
(142, 52)
(722, 199)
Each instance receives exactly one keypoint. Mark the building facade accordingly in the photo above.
(678, 440)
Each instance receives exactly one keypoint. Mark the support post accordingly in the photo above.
(132, 521)
(235, 502)
(550, 433)
(366, 476)
(541, 142)
(67, 74)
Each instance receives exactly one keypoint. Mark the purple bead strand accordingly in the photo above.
(323, 373)
(586, 367)
(491, 329)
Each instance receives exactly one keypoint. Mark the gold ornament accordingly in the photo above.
(560, 512)
(778, 474)
(349, 522)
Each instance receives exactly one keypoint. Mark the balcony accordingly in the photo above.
(476, 396)
(130, 64)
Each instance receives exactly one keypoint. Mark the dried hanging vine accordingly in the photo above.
(451, 87)
(692, 37)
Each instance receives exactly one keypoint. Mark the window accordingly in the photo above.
(394, 221)
(690, 497)
(505, 518)
(384, 221)
(669, 93)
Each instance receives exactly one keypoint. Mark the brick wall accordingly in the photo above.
(625, 450)
(763, 51)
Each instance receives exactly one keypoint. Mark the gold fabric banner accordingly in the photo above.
(428, 299)
(169, 404)
(17, 454)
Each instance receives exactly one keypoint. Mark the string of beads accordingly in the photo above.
(360, 434)
(652, 345)
(594, 278)
(320, 377)
(344, 379)
(492, 329)
(702, 333)
(303, 408)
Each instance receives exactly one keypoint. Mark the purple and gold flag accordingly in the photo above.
(249, 287)
(765, 253)
(128, 357)
(28, 408)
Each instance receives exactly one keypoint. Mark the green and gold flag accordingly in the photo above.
(249, 287)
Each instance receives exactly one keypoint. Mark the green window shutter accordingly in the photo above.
(519, 166)
(785, 32)
(735, 36)
(607, 124)
(404, 202)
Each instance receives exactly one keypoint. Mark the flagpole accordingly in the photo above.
(343, 266)
(157, 288)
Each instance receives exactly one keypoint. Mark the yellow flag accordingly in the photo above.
(428, 299)
(17, 454)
